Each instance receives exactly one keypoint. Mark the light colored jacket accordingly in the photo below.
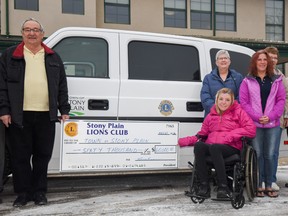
(250, 99)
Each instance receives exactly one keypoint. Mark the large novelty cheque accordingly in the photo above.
(95, 145)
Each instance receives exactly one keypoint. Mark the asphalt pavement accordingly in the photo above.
(161, 194)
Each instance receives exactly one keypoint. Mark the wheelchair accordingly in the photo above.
(241, 171)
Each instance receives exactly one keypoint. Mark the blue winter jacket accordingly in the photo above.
(212, 83)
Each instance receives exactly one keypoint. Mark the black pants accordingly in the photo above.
(32, 147)
(217, 152)
(2, 153)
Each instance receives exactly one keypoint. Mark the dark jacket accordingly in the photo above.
(12, 73)
(212, 83)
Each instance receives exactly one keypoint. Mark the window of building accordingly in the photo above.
(175, 13)
(200, 14)
(275, 20)
(32, 5)
(117, 11)
(73, 6)
(225, 18)
(84, 56)
(160, 61)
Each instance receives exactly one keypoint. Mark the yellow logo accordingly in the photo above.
(166, 107)
(71, 129)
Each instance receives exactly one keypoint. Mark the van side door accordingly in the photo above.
(91, 60)
(161, 81)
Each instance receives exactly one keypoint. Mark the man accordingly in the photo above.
(2, 155)
(274, 55)
(33, 86)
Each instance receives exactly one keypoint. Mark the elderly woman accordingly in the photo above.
(220, 77)
(224, 126)
(262, 96)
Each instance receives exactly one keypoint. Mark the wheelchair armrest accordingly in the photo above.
(246, 140)
(201, 137)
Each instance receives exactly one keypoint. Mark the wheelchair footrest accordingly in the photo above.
(188, 193)
(221, 199)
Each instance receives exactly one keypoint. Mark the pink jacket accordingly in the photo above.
(250, 99)
(227, 128)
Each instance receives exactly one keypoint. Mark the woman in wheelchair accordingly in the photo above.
(223, 128)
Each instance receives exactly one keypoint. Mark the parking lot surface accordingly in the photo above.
(161, 194)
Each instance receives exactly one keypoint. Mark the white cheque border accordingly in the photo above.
(88, 145)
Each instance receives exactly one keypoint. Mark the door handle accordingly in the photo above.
(94, 104)
(194, 106)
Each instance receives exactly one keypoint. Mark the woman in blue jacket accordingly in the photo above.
(220, 77)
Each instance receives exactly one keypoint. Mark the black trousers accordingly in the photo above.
(2, 153)
(31, 147)
(217, 152)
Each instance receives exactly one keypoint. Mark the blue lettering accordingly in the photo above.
(97, 132)
(119, 132)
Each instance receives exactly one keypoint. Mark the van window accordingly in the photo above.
(239, 61)
(84, 56)
(160, 61)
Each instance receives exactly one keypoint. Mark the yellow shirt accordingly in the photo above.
(35, 82)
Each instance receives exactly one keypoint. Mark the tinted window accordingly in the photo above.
(84, 57)
(239, 61)
(159, 61)
(201, 14)
(73, 6)
(117, 11)
(175, 13)
(26, 5)
(225, 15)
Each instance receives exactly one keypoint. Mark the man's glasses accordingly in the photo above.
(28, 30)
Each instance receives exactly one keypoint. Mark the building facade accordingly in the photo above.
(252, 23)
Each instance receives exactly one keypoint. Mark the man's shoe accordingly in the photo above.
(275, 187)
(40, 198)
(21, 200)
(204, 190)
(223, 192)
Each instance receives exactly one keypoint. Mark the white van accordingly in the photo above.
(145, 82)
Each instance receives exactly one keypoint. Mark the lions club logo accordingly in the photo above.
(71, 129)
(166, 107)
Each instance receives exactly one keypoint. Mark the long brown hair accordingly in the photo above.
(223, 91)
(253, 64)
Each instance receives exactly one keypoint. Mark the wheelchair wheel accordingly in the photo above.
(238, 202)
(237, 185)
(251, 173)
(197, 200)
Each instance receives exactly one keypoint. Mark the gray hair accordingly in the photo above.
(32, 19)
(222, 52)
